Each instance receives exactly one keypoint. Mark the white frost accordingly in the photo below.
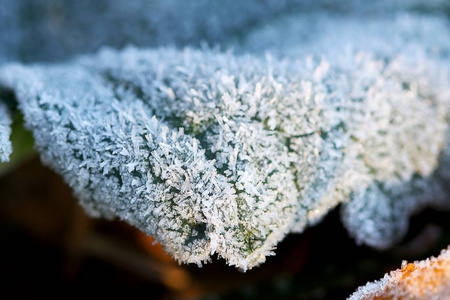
(227, 152)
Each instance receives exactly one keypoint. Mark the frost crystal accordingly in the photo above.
(216, 153)
(382, 186)
(227, 152)
(427, 279)
(5, 132)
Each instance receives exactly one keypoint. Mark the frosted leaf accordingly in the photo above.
(407, 183)
(216, 153)
(5, 132)
(186, 156)
(426, 279)
(399, 94)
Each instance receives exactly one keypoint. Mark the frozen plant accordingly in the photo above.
(381, 191)
(426, 279)
(320, 104)
(215, 153)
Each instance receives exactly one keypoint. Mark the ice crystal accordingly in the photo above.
(217, 153)
(426, 279)
(228, 151)
(382, 186)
